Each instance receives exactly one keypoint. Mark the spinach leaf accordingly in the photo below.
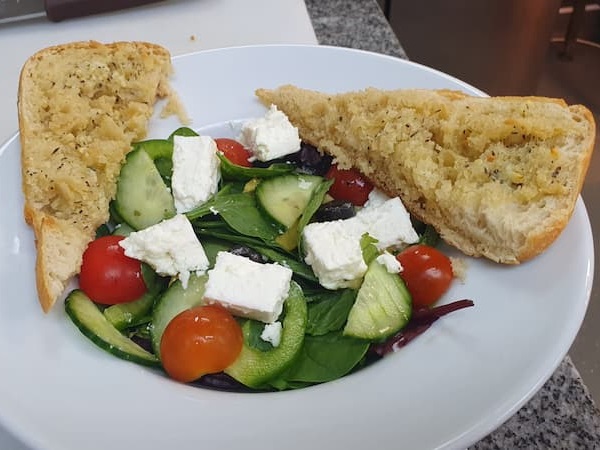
(316, 293)
(282, 385)
(153, 281)
(325, 358)
(212, 247)
(102, 230)
(311, 208)
(330, 313)
(429, 236)
(230, 171)
(221, 200)
(226, 234)
(316, 200)
(285, 259)
(211, 224)
(241, 213)
(311, 289)
(165, 168)
(253, 339)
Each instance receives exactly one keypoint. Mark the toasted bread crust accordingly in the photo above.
(497, 177)
(80, 106)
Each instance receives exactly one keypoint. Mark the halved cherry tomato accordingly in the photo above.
(349, 185)
(107, 275)
(201, 340)
(427, 273)
(234, 151)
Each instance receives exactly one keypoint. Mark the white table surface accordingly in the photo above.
(182, 26)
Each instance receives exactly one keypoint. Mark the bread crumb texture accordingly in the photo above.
(81, 105)
(497, 177)
(459, 268)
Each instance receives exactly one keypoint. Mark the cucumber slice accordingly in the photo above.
(161, 152)
(91, 322)
(383, 305)
(284, 198)
(175, 300)
(254, 368)
(142, 198)
(124, 315)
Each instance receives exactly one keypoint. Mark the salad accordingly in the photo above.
(279, 272)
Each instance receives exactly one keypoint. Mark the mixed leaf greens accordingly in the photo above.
(315, 347)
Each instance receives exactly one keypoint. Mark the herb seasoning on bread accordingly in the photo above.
(497, 177)
(81, 105)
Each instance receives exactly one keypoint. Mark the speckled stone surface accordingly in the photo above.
(353, 23)
(562, 415)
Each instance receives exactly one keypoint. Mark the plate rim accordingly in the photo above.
(467, 436)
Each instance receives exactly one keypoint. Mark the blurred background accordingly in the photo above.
(520, 47)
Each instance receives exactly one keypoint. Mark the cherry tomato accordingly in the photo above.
(201, 340)
(107, 275)
(349, 185)
(427, 273)
(234, 151)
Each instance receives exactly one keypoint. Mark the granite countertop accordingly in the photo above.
(562, 414)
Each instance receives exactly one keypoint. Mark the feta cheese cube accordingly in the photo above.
(247, 288)
(272, 333)
(376, 197)
(271, 136)
(170, 247)
(333, 250)
(388, 222)
(389, 261)
(196, 171)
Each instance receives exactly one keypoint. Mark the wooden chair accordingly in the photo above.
(574, 26)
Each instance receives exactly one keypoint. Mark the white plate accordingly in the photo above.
(449, 388)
